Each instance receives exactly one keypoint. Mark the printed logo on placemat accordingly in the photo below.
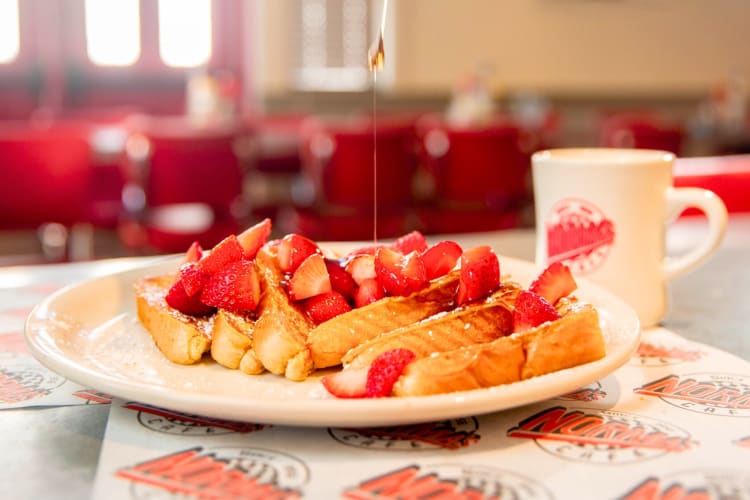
(593, 392)
(172, 422)
(601, 436)
(578, 234)
(219, 473)
(743, 442)
(447, 434)
(448, 481)
(23, 383)
(13, 344)
(94, 397)
(693, 484)
(649, 354)
(723, 394)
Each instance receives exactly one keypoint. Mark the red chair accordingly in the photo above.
(726, 176)
(183, 184)
(345, 193)
(46, 173)
(479, 177)
(641, 131)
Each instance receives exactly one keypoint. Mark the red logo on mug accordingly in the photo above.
(579, 235)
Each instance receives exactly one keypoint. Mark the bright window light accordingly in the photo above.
(185, 32)
(113, 32)
(9, 33)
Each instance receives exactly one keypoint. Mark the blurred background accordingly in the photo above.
(135, 127)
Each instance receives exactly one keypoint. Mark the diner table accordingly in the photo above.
(659, 435)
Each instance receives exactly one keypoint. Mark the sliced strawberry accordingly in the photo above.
(224, 253)
(361, 267)
(325, 306)
(235, 288)
(341, 281)
(252, 238)
(532, 310)
(411, 242)
(348, 383)
(194, 253)
(293, 249)
(178, 299)
(554, 282)
(440, 258)
(480, 274)
(400, 274)
(193, 279)
(310, 278)
(368, 292)
(385, 371)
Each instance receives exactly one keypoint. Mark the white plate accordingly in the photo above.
(90, 334)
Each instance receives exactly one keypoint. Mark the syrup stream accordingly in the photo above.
(375, 61)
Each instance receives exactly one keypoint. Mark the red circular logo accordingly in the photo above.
(578, 234)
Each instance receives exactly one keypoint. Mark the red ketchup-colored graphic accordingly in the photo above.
(578, 234)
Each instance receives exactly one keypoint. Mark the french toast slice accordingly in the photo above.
(574, 339)
(466, 325)
(280, 336)
(232, 342)
(181, 338)
(328, 342)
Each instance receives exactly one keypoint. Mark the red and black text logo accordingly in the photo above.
(172, 422)
(25, 383)
(601, 436)
(448, 434)
(655, 355)
(693, 485)
(593, 392)
(448, 481)
(722, 394)
(220, 473)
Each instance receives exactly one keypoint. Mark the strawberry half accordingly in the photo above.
(410, 242)
(178, 299)
(440, 258)
(368, 292)
(385, 371)
(310, 278)
(554, 282)
(341, 281)
(194, 253)
(235, 288)
(400, 274)
(361, 267)
(349, 383)
(325, 306)
(293, 250)
(193, 279)
(480, 274)
(252, 238)
(531, 310)
(224, 253)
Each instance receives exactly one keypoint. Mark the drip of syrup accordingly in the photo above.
(375, 61)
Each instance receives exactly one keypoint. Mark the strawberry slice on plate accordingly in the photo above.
(193, 254)
(325, 306)
(236, 288)
(224, 253)
(440, 258)
(341, 281)
(385, 371)
(252, 238)
(400, 274)
(349, 383)
(193, 279)
(480, 274)
(368, 292)
(310, 279)
(531, 310)
(361, 267)
(555, 282)
(293, 250)
(178, 299)
(410, 242)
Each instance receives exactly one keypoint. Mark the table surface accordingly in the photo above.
(53, 452)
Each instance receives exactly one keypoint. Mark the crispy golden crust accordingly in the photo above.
(181, 338)
(329, 341)
(574, 339)
(281, 330)
(464, 326)
(232, 341)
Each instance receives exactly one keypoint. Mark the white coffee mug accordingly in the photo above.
(604, 212)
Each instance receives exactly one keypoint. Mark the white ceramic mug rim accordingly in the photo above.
(609, 156)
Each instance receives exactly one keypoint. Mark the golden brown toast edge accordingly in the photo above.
(232, 342)
(573, 340)
(181, 338)
(329, 341)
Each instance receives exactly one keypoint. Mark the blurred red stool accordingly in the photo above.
(727, 176)
(641, 131)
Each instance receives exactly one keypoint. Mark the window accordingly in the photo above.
(113, 32)
(185, 32)
(9, 31)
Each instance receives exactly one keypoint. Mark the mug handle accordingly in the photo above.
(678, 199)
